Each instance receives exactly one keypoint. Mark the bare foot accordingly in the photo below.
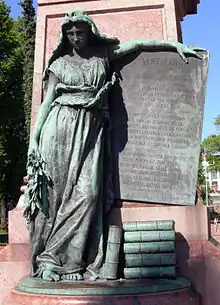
(50, 276)
(72, 277)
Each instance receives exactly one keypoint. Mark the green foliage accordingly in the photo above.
(217, 122)
(13, 138)
(201, 183)
(201, 177)
(29, 26)
(6, 32)
(3, 237)
(17, 40)
(211, 146)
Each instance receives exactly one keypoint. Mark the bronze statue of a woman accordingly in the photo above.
(69, 188)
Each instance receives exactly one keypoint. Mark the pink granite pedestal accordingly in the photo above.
(15, 257)
(197, 258)
(14, 264)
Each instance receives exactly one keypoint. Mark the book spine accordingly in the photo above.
(141, 260)
(149, 247)
(149, 272)
(162, 225)
(142, 236)
(112, 252)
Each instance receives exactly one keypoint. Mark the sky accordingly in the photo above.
(203, 30)
(198, 30)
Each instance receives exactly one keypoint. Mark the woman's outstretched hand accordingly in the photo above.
(184, 50)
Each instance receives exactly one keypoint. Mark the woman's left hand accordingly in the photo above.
(184, 50)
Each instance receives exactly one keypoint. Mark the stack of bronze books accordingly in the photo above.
(149, 249)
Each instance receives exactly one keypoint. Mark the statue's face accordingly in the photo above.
(78, 35)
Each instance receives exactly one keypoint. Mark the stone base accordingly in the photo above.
(14, 264)
(102, 287)
(127, 292)
(17, 231)
(190, 221)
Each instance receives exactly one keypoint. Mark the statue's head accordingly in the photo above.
(78, 30)
(77, 35)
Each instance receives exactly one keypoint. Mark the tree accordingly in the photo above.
(217, 122)
(13, 148)
(211, 146)
(29, 26)
(201, 182)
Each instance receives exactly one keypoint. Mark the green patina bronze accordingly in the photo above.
(69, 160)
(119, 287)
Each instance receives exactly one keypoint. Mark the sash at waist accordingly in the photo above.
(84, 96)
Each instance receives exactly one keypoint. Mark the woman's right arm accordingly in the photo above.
(44, 111)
